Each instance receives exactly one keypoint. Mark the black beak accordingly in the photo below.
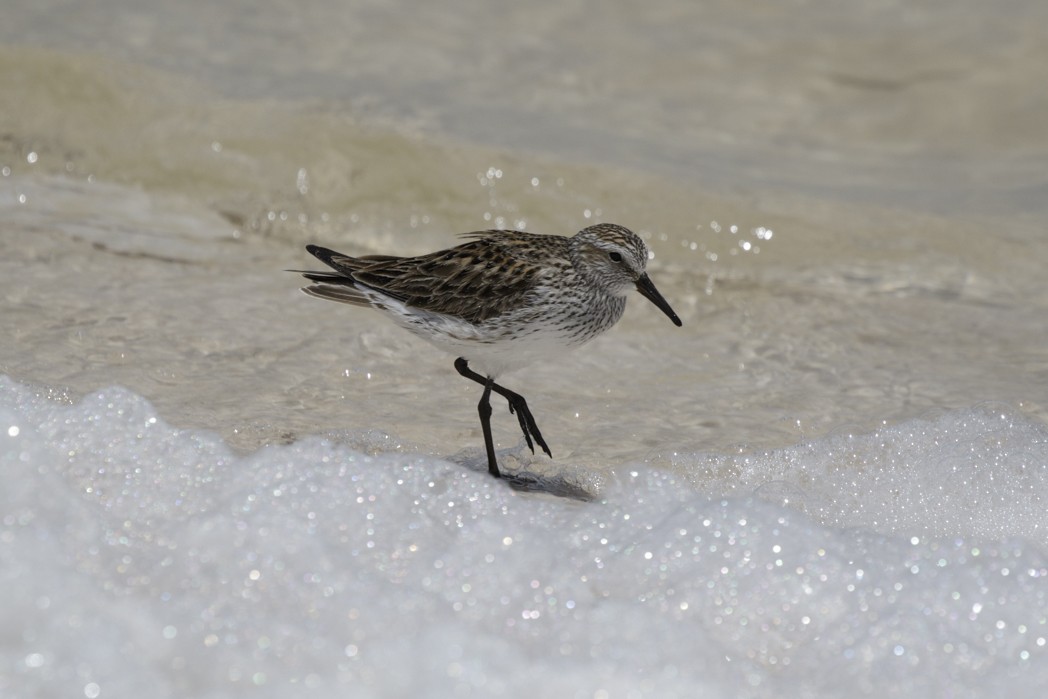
(648, 291)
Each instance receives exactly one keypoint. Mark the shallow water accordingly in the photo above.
(830, 481)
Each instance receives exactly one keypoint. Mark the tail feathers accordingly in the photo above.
(325, 277)
(339, 285)
(341, 293)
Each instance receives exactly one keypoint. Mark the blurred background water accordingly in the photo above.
(846, 204)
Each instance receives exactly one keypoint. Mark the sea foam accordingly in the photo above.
(139, 559)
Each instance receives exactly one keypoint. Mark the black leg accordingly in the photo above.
(484, 408)
(517, 405)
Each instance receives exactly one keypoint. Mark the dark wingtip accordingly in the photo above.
(325, 255)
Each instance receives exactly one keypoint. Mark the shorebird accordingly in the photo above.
(501, 301)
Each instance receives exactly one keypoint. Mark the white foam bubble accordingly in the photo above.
(138, 559)
(979, 472)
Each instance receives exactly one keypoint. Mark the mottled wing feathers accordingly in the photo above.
(476, 281)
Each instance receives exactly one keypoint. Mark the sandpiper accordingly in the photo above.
(501, 301)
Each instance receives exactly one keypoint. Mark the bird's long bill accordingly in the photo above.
(648, 291)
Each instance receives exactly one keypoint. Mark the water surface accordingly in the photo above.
(830, 481)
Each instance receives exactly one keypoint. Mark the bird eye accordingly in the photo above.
(615, 257)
